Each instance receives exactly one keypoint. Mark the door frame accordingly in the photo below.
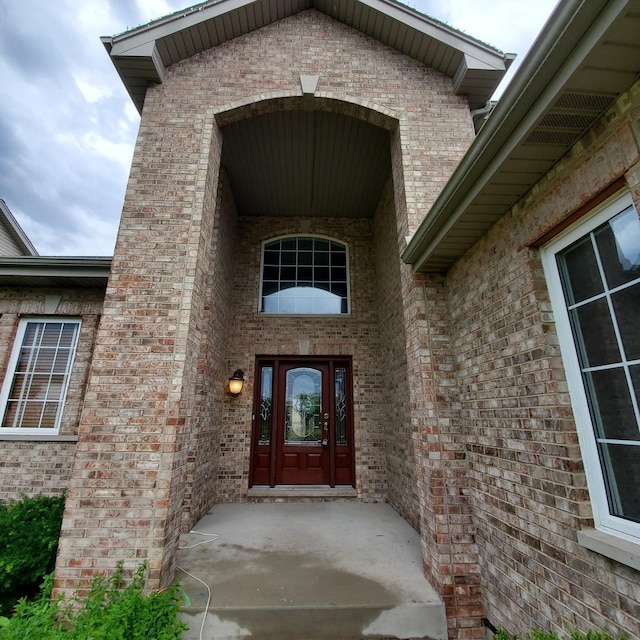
(336, 475)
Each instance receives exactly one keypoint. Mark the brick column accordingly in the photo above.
(126, 493)
(449, 548)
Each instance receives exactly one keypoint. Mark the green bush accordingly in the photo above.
(29, 531)
(572, 634)
(109, 611)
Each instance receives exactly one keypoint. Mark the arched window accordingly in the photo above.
(304, 275)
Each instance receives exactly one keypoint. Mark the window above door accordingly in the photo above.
(304, 275)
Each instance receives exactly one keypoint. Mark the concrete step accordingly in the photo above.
(408, 621)
(307, 571)
(313, 493)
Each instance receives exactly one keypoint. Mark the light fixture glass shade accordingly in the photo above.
(236, 382)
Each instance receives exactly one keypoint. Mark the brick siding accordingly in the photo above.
(180, 311)
(526, 479)
(30, 467)
(462, 416)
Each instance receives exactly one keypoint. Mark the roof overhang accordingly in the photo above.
(40, 271)
(587, 55)
(141, 55)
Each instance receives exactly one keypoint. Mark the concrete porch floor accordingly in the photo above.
(307, 571)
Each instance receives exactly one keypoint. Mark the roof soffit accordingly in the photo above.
(575, 71)
(141, 55)
(44, 271)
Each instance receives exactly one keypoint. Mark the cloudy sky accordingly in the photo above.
(67, 126)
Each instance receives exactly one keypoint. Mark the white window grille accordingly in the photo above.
(593, 272)
(304, 275)
(37, 377)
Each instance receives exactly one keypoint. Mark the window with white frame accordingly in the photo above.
(593, 271)
(304, 275)
(38, 375)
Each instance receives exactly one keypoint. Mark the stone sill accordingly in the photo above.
(18, 437)
(311, 491)
(610, 546)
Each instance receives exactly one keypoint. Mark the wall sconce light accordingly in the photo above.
(236, 382)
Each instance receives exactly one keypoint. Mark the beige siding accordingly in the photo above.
(8, 246)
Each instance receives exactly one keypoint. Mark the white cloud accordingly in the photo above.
(92, 92)
(72, 239)
(506, 25)
(131, 112)
(119, 152)
(67, 126)
(153, 9)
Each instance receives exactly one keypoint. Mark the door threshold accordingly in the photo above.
(302, 491)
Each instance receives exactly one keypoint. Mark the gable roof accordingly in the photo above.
(586, 56)
(13, 231)
(142, 54)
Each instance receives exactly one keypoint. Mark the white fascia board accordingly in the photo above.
(469, 66)
(174, 23)
(146, 51)
(483, 53)
(55, 267)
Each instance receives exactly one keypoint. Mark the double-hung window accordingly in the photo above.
(37, 377)
(593, 272)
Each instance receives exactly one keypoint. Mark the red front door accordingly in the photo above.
(302, 451)
(302, 423)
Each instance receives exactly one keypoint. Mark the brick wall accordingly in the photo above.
(181, 306)
(201, 490)
(450, 553)
(355, 335)
(527, 482)
(126, 493)
(395, 391)
(32, 467)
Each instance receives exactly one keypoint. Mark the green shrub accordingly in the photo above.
(29, 531)
(109, 611)
(572, 634)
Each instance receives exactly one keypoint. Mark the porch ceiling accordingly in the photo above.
(306, 164)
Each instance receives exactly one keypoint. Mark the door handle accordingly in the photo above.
(324, 442)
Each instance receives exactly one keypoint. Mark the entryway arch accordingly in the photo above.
(318, 153)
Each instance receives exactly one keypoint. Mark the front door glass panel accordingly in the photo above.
(303, 422)
(303, 405)
(341, 405)
(266, 403)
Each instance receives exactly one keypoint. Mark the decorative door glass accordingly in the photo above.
(341, 405)
(303, 405)
(266, 391)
